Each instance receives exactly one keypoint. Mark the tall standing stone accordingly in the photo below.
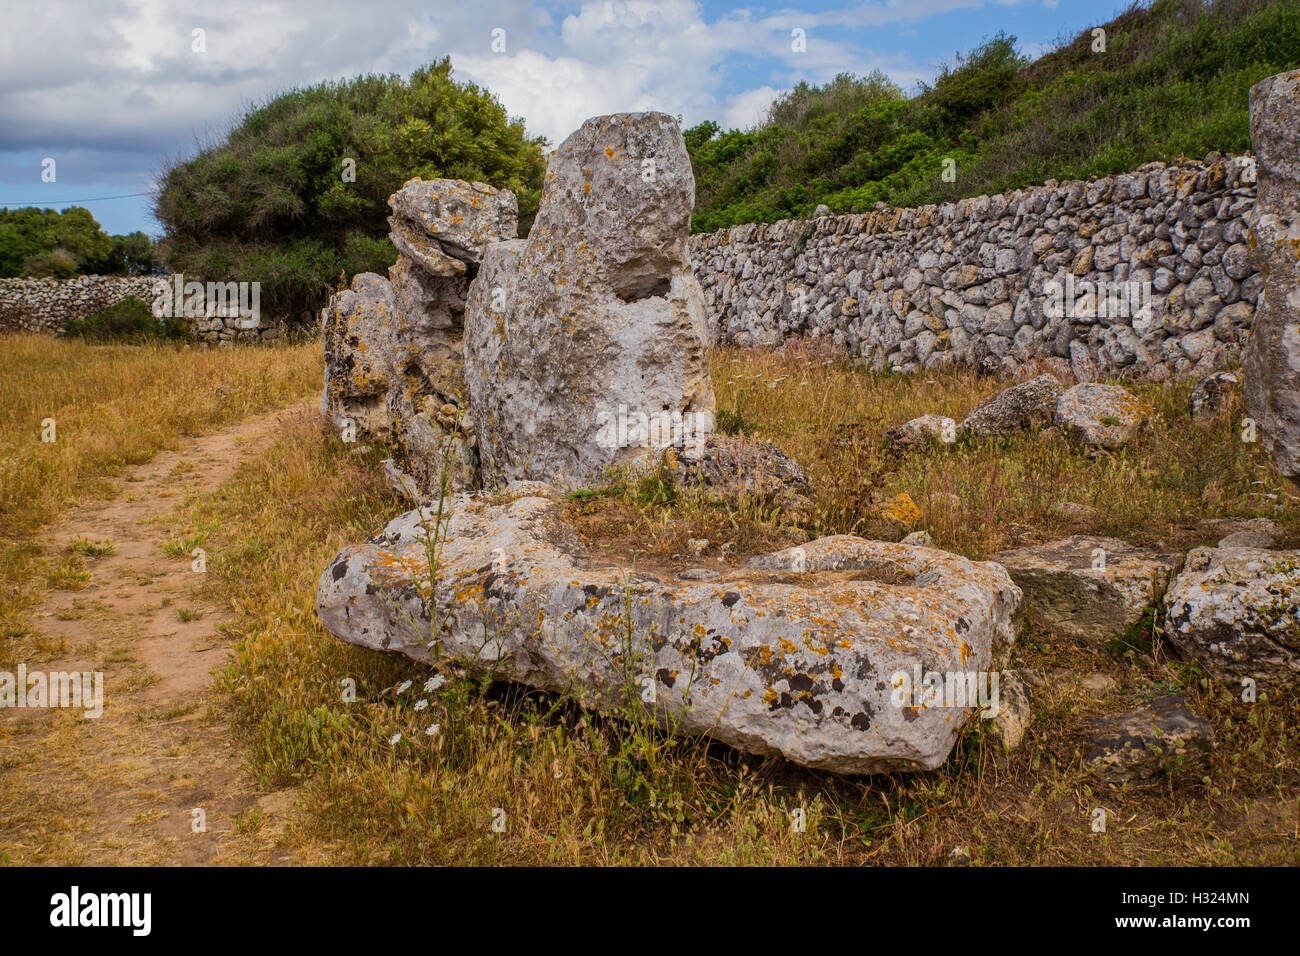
(585, 344)
(1272, 360)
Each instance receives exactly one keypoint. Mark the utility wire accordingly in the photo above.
(41, 202)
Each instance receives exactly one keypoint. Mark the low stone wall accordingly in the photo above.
(48, 305)
(972, 281)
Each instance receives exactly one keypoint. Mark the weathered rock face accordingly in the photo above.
(394, 363)
(1271, 364)
(357, 329)
(595, 322)
(1136, 745)
(810, 653)
(1101, 416)
(1020, 406)
(444, 225)
(1237, 612)
(1089, 588)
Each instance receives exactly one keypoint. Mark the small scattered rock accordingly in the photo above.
(1154, 737)
(734, 467)
(1229, 526)
(922, 431)
(1101, 416)
(699, 574)
(1033, 676)
(1007, 727)
(919, 539)
(1098, 685)
(1248, 539)
(1026, 405)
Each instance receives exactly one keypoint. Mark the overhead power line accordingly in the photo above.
(46, 202)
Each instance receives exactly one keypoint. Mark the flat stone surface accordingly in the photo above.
(814, 665)
(1087, 587)
(1140, 743)
(1237, 612)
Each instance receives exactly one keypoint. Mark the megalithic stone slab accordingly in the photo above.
(842, 654)
(596, 319)
(1271, 364)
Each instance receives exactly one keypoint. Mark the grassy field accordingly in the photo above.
(576, 788)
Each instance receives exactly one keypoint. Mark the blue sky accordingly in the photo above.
(111, 90)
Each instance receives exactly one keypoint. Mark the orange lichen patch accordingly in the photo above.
(902, 509)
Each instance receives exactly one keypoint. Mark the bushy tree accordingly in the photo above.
(45, 242)
(296, 197)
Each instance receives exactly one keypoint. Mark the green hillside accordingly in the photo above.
(1172, 81)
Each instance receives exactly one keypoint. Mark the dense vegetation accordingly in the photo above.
(1172, 81)
(45, 242)
(128, 320)
(277, 201)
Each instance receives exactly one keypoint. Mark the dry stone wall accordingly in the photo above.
(48, 305)
(998, 281)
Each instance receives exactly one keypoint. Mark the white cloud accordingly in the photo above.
(746, 110)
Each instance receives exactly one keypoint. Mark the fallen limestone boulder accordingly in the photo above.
(1027, 405)
(1160, 736)
(1101, 416)
(593, 329)
(1237, 612)
(1089, 588)
(840, 654)
(919, 432)
(1271, 363)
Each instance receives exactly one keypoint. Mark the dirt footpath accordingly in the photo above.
(124, 788)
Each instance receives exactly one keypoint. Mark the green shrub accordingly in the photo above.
(128, 320)
(1172, 82)
(271, 203)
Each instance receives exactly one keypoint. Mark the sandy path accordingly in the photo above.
(121, 789)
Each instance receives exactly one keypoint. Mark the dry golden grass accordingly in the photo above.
(573, 788)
